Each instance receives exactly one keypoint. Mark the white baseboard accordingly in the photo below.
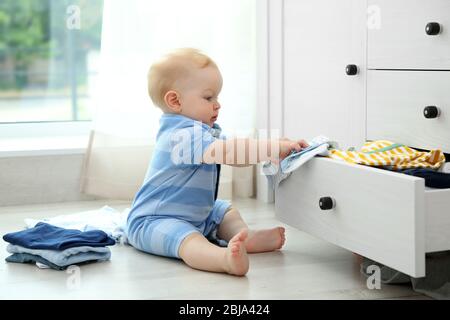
(264, 192)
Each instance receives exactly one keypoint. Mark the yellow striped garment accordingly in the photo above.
(393, 156)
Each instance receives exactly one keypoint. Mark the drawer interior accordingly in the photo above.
(437, 217)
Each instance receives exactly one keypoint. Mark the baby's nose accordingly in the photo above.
(217, 105)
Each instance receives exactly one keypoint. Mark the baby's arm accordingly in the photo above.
(249, 151)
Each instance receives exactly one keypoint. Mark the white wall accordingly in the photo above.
(40, 179)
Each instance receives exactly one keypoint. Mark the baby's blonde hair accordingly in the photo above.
(175, 65)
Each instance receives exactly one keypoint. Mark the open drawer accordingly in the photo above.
(386, 216)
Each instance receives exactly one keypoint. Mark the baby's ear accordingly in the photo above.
(172, 100)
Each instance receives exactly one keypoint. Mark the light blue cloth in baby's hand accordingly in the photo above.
(317, 146)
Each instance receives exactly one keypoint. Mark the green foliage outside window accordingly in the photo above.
(36, 29)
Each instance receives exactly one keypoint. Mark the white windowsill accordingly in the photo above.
(41, 146)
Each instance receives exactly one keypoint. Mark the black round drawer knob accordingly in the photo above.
(431, 112)
(432, 28)
(326, 203)
(351, 69)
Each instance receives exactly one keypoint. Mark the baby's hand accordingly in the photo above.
(287, 146)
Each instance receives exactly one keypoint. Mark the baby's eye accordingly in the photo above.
(208, 98)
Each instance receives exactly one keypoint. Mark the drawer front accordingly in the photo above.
(396, 101)
(397, 38)
(378, 214)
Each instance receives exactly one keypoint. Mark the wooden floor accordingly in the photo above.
(306, 268)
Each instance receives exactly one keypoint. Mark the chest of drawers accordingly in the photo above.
(355, 82)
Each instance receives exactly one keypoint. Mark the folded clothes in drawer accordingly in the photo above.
(390, 155)
(433, 179)
(398, 157)
(383, 154)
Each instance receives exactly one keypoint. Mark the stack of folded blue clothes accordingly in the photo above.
(57, 248)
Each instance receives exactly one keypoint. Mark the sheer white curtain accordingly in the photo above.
(137, 32)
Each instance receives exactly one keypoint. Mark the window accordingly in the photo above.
(49, 53)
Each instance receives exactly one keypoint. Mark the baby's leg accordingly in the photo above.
(265, 240)
(258, 240)
(198, 253)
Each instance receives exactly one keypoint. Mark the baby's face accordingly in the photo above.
(199, 95)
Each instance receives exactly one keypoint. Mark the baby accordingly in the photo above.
(176, 212)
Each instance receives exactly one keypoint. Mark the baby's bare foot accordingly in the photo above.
(236, 255)
(265, 240)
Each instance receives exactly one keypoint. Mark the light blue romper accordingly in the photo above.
(178, 196)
